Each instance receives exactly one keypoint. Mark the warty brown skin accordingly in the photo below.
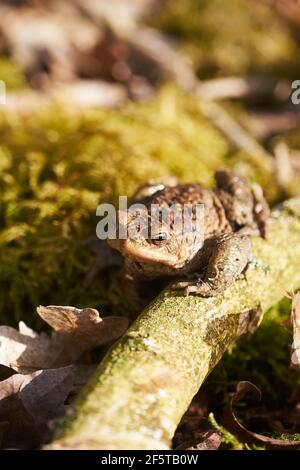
(232, 213)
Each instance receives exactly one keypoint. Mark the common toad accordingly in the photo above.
(232, 213)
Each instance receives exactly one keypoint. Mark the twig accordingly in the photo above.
(265, 124)
(284, 167)
(241, 87)
(238, 136)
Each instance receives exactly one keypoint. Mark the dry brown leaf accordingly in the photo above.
(206, 440)
(76, 332)
(233, 425)
(28, 402)
(24, 352)
(82, 374)
(295, 316)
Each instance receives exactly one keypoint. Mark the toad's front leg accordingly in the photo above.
(229, 257)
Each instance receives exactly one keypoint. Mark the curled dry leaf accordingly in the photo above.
(233, 425)
(24, 351)
(28, 402)
(295, 356)
(75, 332)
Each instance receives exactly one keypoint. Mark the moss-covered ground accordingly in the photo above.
(57, 165)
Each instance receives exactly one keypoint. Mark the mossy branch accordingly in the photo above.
(146, 381)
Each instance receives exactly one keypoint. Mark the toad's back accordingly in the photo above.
(215, 221)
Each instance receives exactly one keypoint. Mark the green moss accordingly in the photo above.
(56, 166)
(263, 359)
(159, 382)
(262, 42)
(227, 438)
(11, 75)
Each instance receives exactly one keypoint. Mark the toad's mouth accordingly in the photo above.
(143, 253)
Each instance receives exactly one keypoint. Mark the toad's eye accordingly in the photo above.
(160, 238)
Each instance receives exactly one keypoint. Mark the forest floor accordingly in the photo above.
(95, 106)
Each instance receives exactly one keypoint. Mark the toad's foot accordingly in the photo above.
(230, 255)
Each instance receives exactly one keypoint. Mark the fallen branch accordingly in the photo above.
(237, 135)
(145, 383)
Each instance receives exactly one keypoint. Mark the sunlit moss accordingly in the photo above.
(56, 166)
(11, 75)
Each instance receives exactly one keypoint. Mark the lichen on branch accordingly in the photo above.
(145, 383)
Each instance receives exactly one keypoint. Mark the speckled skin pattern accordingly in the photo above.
(232, 213)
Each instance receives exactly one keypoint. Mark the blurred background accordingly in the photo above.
(103, 96)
